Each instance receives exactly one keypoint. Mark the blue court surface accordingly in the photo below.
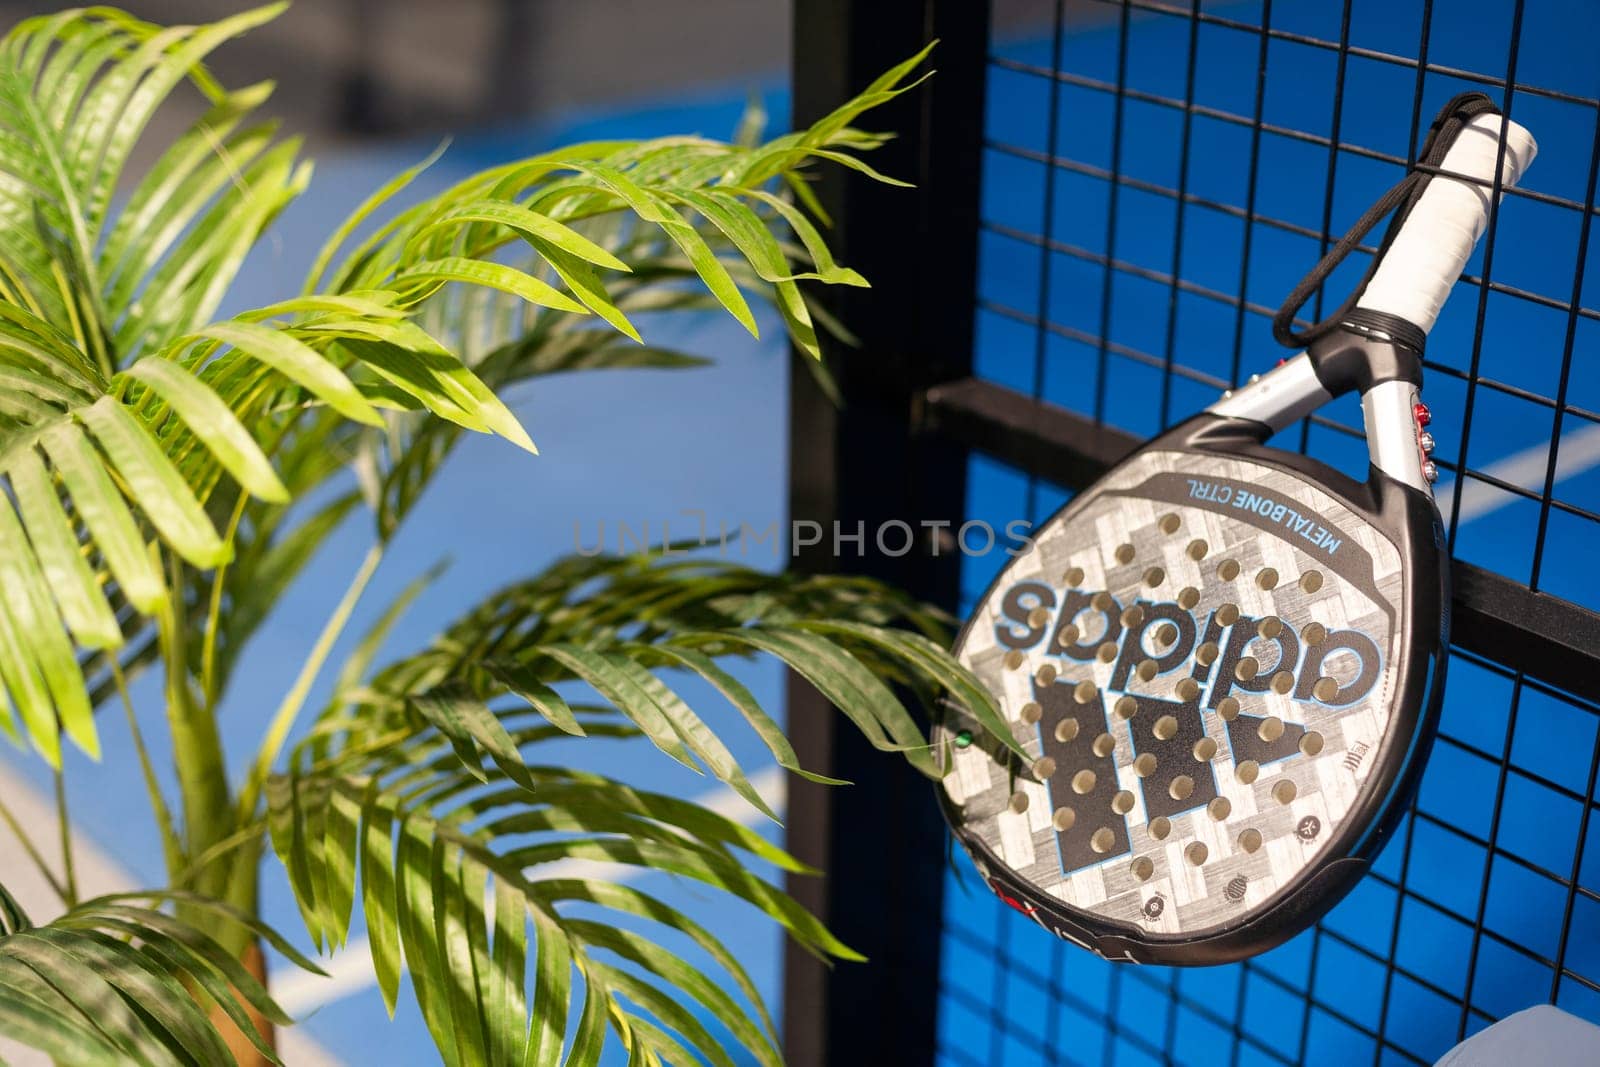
(645, 446)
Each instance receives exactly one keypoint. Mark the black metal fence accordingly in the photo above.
(1112, 198)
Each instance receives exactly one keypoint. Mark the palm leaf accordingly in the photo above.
(613, 622)
(423, 778)
(117, 981)
(153, 456)
(452, 886)
(424, 316)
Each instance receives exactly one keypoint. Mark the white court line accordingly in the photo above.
(350, 969)
(97, 874)
(1580, 451)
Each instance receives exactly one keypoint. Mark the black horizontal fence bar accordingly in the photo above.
(1201, 378)
(1500, 619)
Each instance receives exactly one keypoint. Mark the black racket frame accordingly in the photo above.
(1353, 358)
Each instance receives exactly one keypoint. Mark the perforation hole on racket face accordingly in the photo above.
(1197, 656)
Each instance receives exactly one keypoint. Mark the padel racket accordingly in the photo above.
(1224, 660)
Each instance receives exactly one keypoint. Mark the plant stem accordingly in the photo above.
(33, 853)
(295, 698)
(196, 745)
(236, 840)
(171, 844)
(208, 647)
(64, 824)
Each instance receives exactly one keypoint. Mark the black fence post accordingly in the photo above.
(860, 465)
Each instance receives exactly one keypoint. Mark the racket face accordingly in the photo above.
(1206, 658)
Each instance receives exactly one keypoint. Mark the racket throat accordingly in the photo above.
(1396, 442)
(1277, 399)
(1380, 364)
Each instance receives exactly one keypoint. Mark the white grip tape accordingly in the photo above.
(1432, 248)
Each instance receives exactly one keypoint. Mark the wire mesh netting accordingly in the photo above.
(1157, 176)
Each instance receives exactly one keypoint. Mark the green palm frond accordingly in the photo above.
(146, 443)
(451, 889)
(620, 227)
(508, 341)
(613, 622)
(116, 981)
(76, 92)
(120, 407)
(154, 458)
(420, 782)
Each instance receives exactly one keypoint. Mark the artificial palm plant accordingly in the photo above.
(153, 454)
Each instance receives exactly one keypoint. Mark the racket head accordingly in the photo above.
(1224, 662)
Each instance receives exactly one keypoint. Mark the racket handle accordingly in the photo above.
(1433, 246)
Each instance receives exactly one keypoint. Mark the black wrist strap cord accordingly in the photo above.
(1406, 192)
